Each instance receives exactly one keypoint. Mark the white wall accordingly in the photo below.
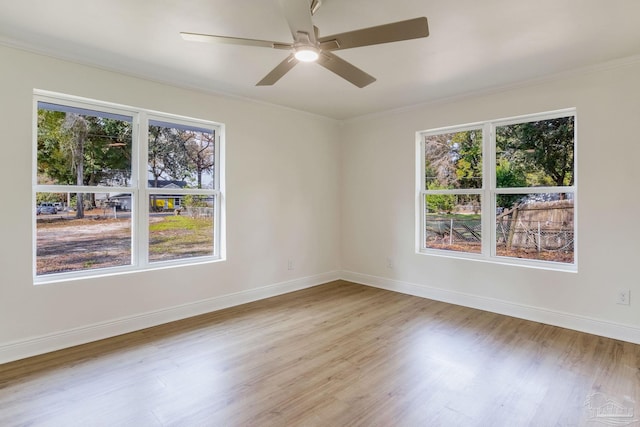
(282, 200)
(333, 196)
(378, 206)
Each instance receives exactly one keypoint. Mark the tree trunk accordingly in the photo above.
(79, 177)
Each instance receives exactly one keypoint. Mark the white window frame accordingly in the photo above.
(139, 188)
(488, 193)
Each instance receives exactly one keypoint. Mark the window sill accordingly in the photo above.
(119, 271)
(514, 262)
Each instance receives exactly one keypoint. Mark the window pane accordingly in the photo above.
(453, 160)
(535, 226)
(535, 154)
(453, 222)
(97, 235)
(180, 226)
(180, 154)
(83, 147)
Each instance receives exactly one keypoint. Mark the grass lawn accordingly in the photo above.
(81, 244)
(180, 236)
(454, 216)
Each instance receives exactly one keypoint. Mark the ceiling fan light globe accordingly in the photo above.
(306, 55)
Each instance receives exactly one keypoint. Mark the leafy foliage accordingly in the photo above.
(468, 158)
(167, 155)
(543, 150)
(437, 203)
(95, 149)
(508, 175)
(194, 201)
(78, 149)
(530, 154)
(454, 160)
(178, 154)
(98, 146)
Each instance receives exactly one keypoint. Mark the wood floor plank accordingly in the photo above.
(339, 354)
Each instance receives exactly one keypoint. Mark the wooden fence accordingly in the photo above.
(545, 226)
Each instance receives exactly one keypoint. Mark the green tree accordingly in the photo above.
(75, 131)
(108, 152)
(454, 160)
(508, 176)
(106, 149)
(467, 150)
(192, 201)
(440, 168)
(437, 203)
(167, 154)
(543, 149)
(199, 147)
(83, 149)
(49, 198)
(54, 162)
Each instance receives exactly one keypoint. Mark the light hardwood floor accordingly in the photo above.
(339, 354)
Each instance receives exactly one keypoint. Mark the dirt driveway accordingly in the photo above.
(93, 242)
(68, 244)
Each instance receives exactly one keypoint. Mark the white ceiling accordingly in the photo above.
(473, 45)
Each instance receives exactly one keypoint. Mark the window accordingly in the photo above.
(502, 190)
(118, 188)
(184, 154)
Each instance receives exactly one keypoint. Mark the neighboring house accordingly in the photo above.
(165, 183)
(122, 201)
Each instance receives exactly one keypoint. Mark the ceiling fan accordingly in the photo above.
(308, 46)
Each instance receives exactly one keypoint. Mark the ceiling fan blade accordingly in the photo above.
(298, 16)
(208, 38)
(345, 70)
(315, 5)
(394, 32)
(280, 70)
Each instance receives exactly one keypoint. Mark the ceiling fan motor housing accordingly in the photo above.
(304, 49)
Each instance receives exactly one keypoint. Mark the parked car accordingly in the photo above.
(47, 208)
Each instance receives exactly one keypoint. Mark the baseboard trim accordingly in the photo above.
(56, 341)
(536, 314)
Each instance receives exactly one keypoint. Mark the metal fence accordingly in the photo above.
(195, 212)
(453, 231)
(541, 236)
